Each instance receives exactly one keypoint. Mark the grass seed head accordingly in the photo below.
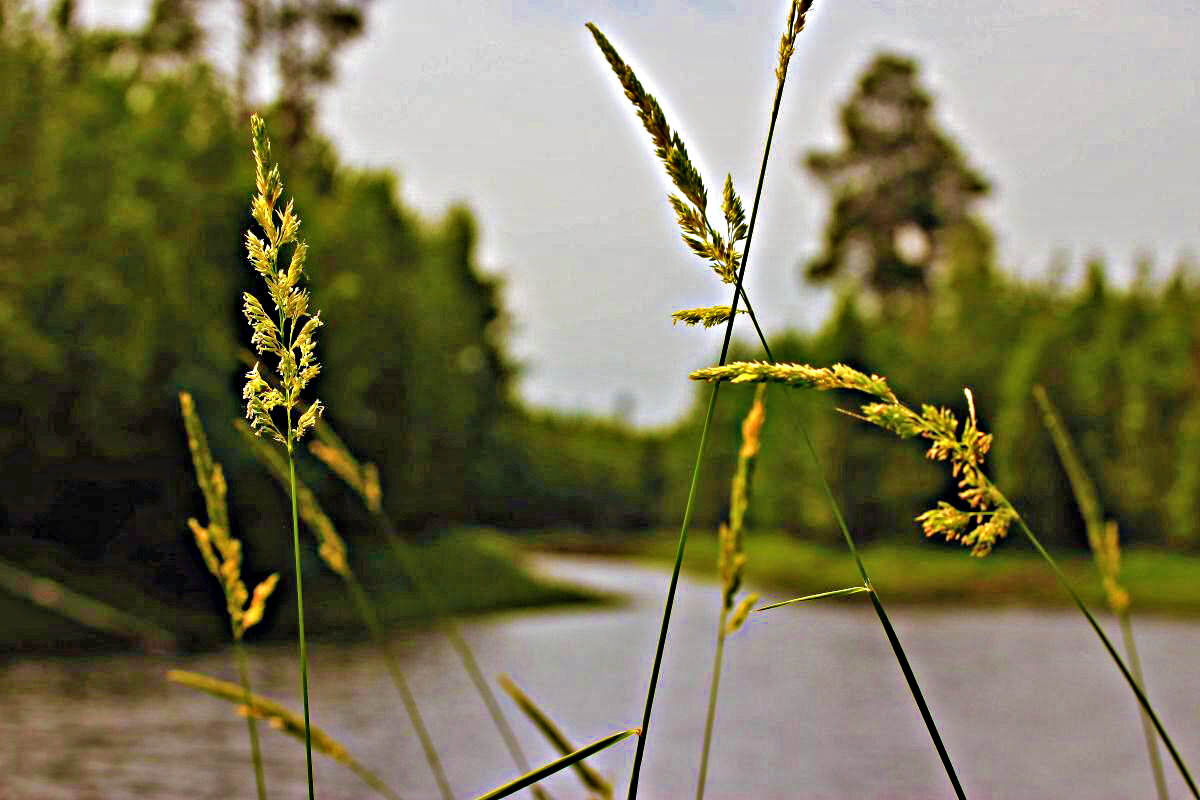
(691, 210)
(288, 334)
(787, 43)
(221, 552)
(965, 449)
(708, 317)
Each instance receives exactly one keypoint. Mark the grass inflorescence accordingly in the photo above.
(290, 336)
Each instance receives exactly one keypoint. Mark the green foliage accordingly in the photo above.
(124, 184)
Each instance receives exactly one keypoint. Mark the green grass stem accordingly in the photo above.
(260, 783)
(363, 603)
(557, 765)
(738, 293)
(894, 640)
(300, 616)
(711, 716)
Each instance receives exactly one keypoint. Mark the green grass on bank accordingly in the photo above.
(474, 570)
(921, 573)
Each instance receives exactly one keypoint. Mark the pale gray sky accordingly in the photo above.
(1085, 114)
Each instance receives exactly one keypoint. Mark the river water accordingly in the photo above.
(812, 706)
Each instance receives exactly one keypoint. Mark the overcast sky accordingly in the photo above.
(1085, 114)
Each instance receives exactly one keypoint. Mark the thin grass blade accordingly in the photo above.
(590, 778)
(558, 765)
(835, 593)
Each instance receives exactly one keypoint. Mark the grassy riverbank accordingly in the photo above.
(475, 571)
(922, 573)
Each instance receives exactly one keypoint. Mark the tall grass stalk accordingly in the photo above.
(1106, 552)
(364, 480)
(702, 239)
(731, 562)
(289, 335)
(332, 549)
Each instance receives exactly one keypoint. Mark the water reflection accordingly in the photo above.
(812, 706)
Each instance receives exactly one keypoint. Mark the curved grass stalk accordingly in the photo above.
(1106, 552)
(282, 719)
(364, 479)
(558, 765)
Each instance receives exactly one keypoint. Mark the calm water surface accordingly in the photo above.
(812, 706)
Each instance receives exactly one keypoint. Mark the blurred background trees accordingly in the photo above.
(124, 186)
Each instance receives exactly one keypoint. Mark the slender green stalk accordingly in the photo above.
(255, 753)
(371, 617)
(712, 403)
(300, 616)
(666, 621)
(1105, 549)
(894, 640)
(559, 764)
(1133, 682)
(901, 657)
(711, 716)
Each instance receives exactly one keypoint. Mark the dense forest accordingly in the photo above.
(124, 188)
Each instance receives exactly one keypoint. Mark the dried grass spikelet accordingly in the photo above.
(362, 478)
(221, 552)
(731, 559)
(691, 209)
(331, 547)
(1109, 561)
(281, 719)
(989, 512)
(289, 334)
(708, 317)
(787, 43)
